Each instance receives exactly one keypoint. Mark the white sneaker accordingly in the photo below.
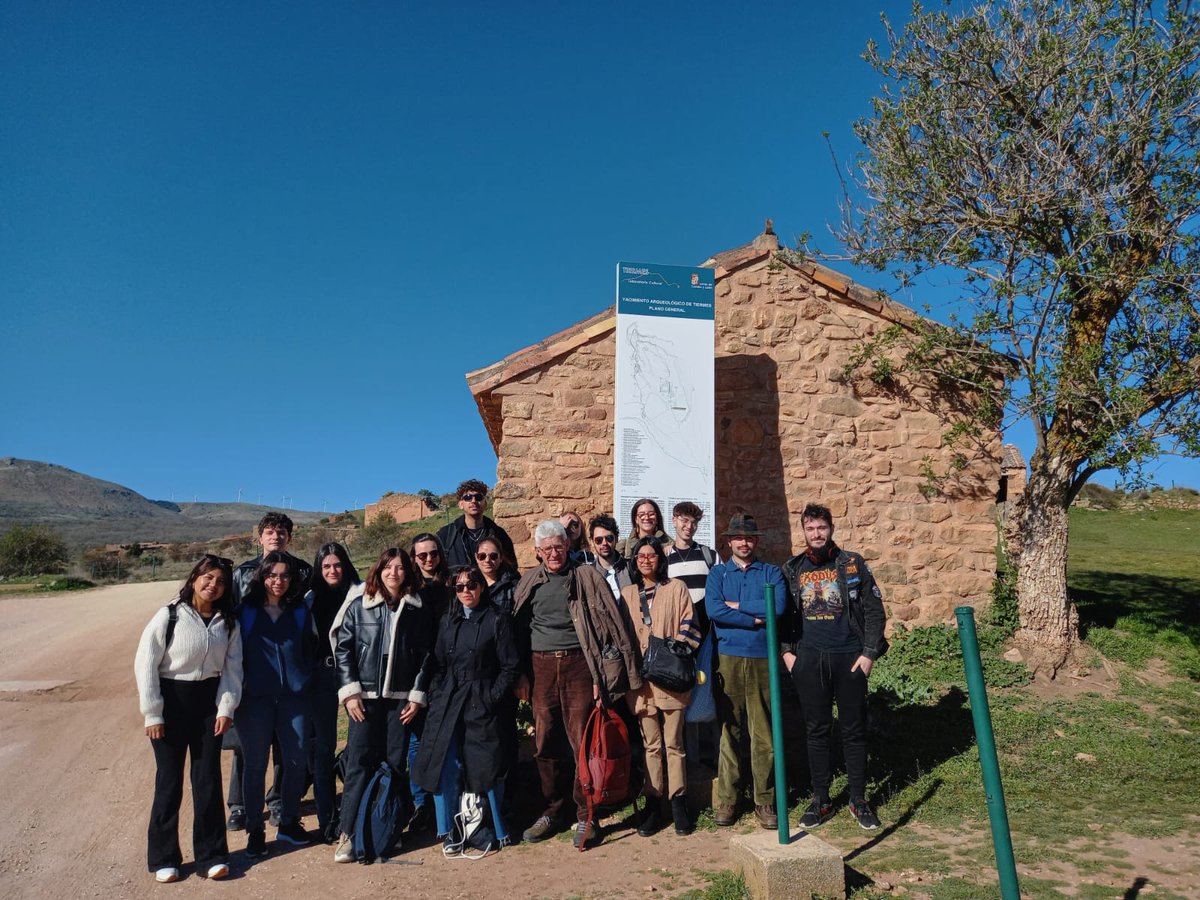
(220, 870)
(166, 875)
(345, 850)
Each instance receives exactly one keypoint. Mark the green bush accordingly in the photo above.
(31, 550)
(385, 531)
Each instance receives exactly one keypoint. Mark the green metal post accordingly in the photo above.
(781, 790)
(1006, 864)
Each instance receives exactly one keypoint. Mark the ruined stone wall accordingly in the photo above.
(402, 507)
(791, 429)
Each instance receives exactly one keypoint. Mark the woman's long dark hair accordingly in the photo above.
(317, 583)
(658, 524)
(412, 577)
(507, 563)
(224, 604)
(441, 575)
(257, 594)
(635, 574)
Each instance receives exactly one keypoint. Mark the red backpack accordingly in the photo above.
(604, 761)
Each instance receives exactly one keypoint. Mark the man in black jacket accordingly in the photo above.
(274, 533)
(837, 634)
(462, 536)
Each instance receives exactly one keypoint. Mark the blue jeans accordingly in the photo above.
(420, 797)
(285, 717)
(446, 800)
(324, 715)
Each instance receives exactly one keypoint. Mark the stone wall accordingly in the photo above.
(791, 429)
(402, 507)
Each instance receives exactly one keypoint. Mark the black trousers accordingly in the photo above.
(190, 714)
(368, 743)
(823, 678)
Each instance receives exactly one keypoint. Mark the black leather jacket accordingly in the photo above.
(360, 642)
(454, 541)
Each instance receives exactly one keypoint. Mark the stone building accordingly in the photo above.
(791, 428)
(402, 507)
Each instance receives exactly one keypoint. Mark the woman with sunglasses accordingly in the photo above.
(382, 642)
(189, 677)
(279, 650)
(429, 555)
(475, 668)
(647, 521)
(333, 575)
(499, 572)
(660, 712)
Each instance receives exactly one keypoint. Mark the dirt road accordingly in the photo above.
(76, 777)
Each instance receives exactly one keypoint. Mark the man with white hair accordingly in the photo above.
(578, 648)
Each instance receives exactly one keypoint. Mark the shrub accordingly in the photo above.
(383, 532)
(105, 566)
(31, 550)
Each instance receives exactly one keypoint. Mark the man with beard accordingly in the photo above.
(837, 634)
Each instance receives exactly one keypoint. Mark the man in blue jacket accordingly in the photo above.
(733, 598)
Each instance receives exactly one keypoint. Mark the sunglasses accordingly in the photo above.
(487, 557)
(427, 554)
(604, 539)
(472, 497)
(461, 586)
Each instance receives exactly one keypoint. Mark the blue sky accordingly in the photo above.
(256, 246)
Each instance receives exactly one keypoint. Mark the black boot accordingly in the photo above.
(679, 811)
(652, 821)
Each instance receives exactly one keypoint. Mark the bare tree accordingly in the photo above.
(1042, 156)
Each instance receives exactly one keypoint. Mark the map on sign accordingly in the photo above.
(664, 438)
(662, 401)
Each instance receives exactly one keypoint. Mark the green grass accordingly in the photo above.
(1074, 771)
(1135, 579)
(45, 584)
(723, 885)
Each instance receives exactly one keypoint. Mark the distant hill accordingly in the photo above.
(87, 511)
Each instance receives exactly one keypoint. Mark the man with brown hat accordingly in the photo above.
(733, 597)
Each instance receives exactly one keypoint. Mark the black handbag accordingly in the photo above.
(668, 663)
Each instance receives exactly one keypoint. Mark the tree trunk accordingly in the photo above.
(1049, 623)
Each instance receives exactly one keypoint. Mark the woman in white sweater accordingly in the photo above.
(189, 678)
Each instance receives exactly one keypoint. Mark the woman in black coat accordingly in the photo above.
(499, 574)
(475, 668)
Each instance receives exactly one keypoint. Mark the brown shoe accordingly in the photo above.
(725, 815)
(766, 817)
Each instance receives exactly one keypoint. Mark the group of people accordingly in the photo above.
(430, 654)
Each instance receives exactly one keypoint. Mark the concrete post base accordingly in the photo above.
(806, 867)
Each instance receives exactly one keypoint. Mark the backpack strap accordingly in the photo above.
(362, 819)
(710, 558)
(645, 607)
(172, 621)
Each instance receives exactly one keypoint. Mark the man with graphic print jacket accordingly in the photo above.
(837, 623)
